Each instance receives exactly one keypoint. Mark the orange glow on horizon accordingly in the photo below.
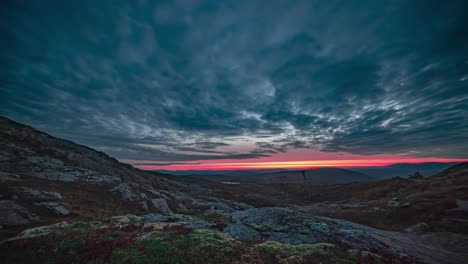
(304, 164)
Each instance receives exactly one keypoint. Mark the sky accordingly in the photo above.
(194, 84)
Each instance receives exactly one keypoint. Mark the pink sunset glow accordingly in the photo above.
(298, 159)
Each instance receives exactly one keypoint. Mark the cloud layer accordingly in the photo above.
(196, 80)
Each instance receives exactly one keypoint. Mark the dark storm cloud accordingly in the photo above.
(189, 80)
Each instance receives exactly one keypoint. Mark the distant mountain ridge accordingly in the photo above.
(312, 176)
(404, 169)
(319, 175)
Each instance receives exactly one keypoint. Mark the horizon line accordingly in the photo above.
(288, 165)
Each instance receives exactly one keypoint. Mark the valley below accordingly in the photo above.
(65, 203)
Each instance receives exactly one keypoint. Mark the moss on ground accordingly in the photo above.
(135, 242)
(303, 249)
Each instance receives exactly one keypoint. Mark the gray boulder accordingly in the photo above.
(125, 192)
(160, 205)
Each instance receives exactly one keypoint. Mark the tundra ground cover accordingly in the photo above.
(135, 242)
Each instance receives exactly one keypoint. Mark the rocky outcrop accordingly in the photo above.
(58, 208)
(12, 214)
(292, 227)
(40, 193)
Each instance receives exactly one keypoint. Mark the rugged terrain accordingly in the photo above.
(62, 202)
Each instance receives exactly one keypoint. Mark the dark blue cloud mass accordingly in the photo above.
(192, 79)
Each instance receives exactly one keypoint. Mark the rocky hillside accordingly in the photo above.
(45, 178)
(65, 203)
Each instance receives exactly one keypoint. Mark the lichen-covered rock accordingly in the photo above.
(58, 208)
(12, 214)
(242, 232)
(125, 192)
(41, 231)
(292, 227)
(124, 219)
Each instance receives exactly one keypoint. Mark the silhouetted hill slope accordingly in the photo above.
(405, 169)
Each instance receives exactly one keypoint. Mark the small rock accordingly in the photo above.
(462, 204)
(403, 205)
(393, 203)
(183, 208)
(144, 205)
(56, 207)
(418, 228)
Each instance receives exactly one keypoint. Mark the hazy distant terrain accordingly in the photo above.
(405, 169)
(320, 175)
(313, 176)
